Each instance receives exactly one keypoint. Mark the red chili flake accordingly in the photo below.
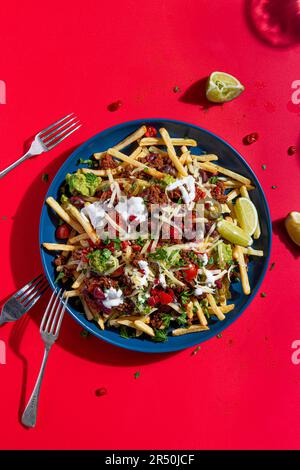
(151, 132)
(250, 138)
(100, 392)
(114, 106)
(292, 150)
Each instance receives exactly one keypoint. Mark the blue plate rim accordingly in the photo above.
(143, 346)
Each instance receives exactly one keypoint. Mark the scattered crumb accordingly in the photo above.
(45, 177)
(272, 266)
(114, 106)
(193, 353)
(219, 335)
(84, 333)
(176, 89)
(100, 392)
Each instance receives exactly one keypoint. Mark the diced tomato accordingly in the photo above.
(132, 218)
(165, 298)
(62, 232)
(124, 244)
(191, 272)
(136, 247)
(151, 132)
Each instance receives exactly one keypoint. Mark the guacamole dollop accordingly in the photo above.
(225, 254)
(83, 183)
(102, 261)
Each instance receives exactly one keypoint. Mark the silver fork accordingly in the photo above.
(47, 139)
(24, 299)
(49, 329)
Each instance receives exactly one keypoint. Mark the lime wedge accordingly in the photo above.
(233, 233)
(292, 224)
(222, 87)
(246, 214)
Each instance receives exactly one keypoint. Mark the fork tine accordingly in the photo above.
(23, 289)
(49, 134)
(61, 318)
(22, 298)
(65, 129)
(28, 307)
(47, 310)
(36, 292)
(56, 301)
(58, 312)
(54, 125)
(63, 137)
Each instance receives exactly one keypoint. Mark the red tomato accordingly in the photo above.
(62, 232)
(151, 132)
(165, 298)
(124, 244)
(191, 272)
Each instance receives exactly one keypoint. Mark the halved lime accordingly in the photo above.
(222, 87)
(246, 214)
(233, 233)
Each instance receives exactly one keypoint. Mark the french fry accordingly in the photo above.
(82, 236)
(185, 156)
(200, 313)
(63, 214)
(140, 325)
(171, 151)
(189, 310)
(190, 329)
(59, 247)
(137, 164)
(252, 251)
(77, 283)
(175, 141)
(138, 134)
(239, 256)
(86, 309)
(233, 194)
(100, 322)
(209, 157)
(245, 193)
(213, 168)
(223, 308)
(114, 171)
(83, 221)
(216, 310)
(72, 293)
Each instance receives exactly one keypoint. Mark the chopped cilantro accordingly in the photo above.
(176, 89)
(59, 277)
(137, 374)
(219, 335)
(88, 162)
(263, 294)
(117, 243)
(185, 297)
(273, 186)
(140, 241)
(181, 319)
(160, 335)
(124, 332)
(213, 180)
(211, 260)
(264, 167)
(166, 318)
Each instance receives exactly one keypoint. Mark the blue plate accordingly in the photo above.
(228, 157)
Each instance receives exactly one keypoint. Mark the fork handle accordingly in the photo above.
(30, 412)
(16, 163)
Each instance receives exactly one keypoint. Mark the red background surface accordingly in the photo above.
(241, 391)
